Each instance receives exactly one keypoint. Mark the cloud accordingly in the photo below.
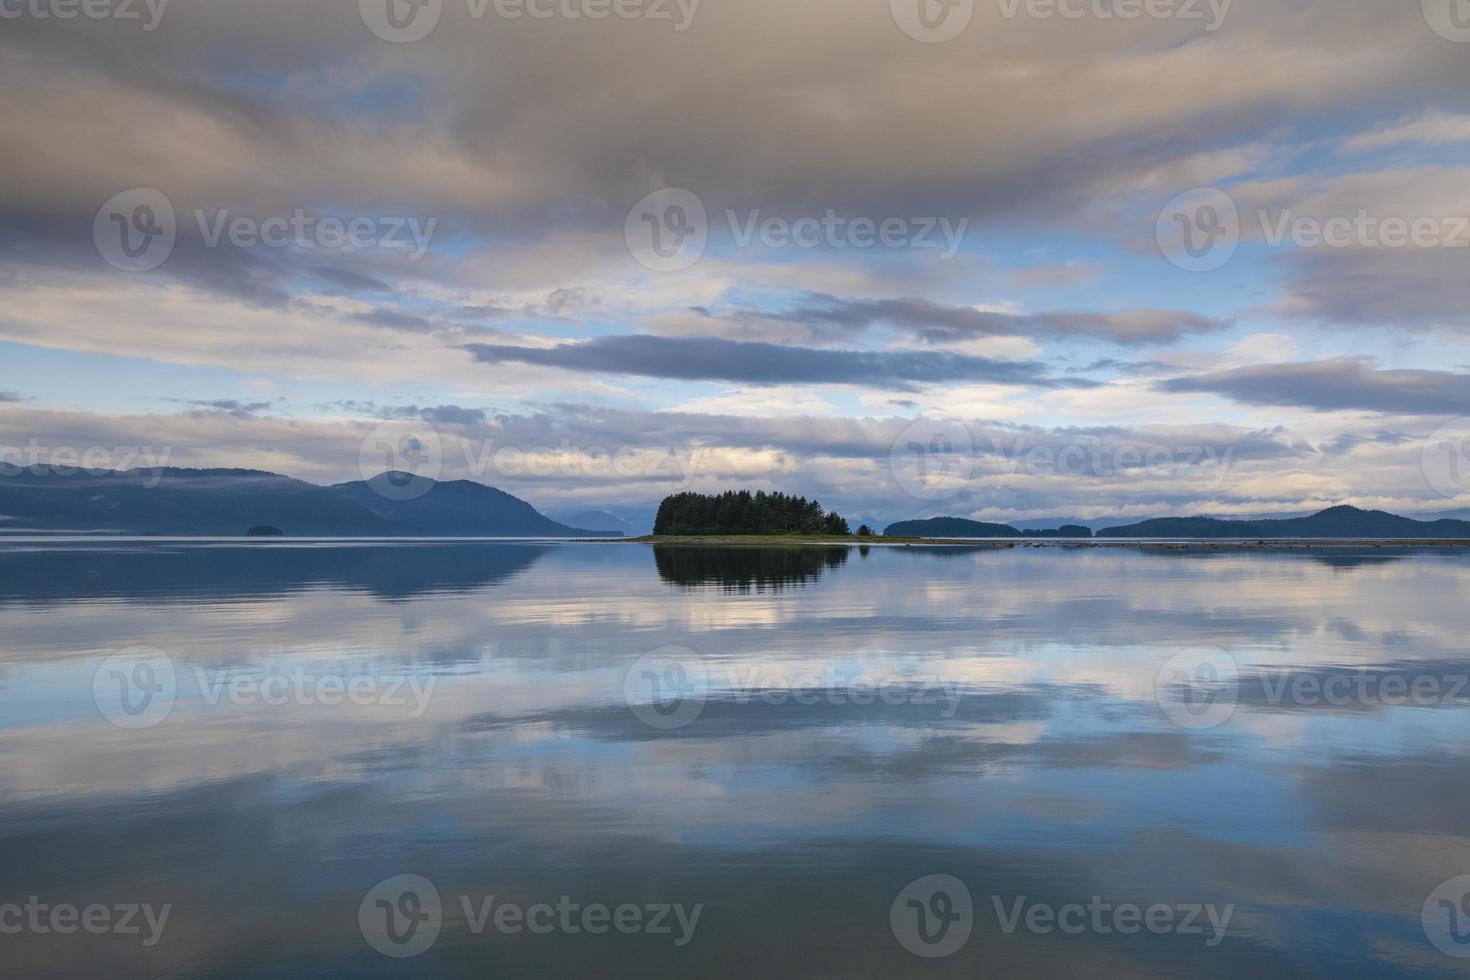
(562, 457)
(934, 323)
(228, 405)
(1342, 384)
(433, 414)
(1432, 128)
(707, 358)
(1421, 288)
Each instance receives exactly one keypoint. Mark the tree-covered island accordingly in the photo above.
(747, 514)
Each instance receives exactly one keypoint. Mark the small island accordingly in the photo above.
(265, 531)
(745, 514)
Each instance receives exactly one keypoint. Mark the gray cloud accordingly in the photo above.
(1348, 441)
(433, 414)
(461, 129)
(706, 358)
(396, 320)
(1380, 287)
(10, 396)
(939, 324)
(1342, 384)
(228, 405)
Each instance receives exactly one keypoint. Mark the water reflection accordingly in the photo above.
(823, 772)
(743, 569)
(59, 571)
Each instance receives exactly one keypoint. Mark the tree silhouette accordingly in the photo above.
(743, 512)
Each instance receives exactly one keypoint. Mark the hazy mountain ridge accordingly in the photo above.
(958, 527)
(1335, 522)
(228, 502)
(454, 508)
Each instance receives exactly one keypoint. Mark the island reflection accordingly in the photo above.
(746, 569)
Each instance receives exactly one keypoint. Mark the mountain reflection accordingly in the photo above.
(64, 572)
(746, 569)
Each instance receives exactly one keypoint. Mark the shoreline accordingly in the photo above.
(1009, 544)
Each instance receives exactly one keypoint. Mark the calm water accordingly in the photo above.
(602, 760)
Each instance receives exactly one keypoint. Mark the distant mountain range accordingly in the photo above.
(1335, 522)
(956, 527)
(230, 502)
(595, 520)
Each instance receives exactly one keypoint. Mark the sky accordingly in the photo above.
(1000, 259)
